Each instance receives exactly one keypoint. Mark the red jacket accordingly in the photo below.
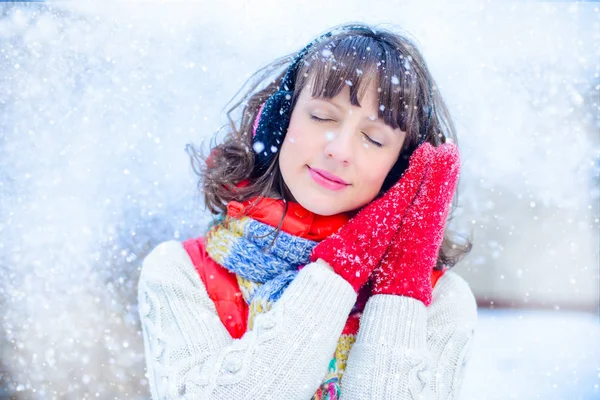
(222, 286)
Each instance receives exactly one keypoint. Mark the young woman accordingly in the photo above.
(326, 273)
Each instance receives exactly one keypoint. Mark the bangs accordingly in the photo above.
(358, 61)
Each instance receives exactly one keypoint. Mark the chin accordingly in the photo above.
(321, 206)
(325, 211)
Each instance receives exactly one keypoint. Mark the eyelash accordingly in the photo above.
(367, 136)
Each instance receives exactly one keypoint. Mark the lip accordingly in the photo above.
(329, 176)
(327, 180)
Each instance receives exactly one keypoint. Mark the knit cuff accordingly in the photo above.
(394, 321)
(317, 286)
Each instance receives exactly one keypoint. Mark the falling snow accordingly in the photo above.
(99, 105)
(258, 147)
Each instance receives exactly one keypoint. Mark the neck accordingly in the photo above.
(296, 220)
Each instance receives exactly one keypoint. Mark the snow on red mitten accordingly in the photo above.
(358, 247)
(406, 268)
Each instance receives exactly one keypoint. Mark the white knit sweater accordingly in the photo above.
(403, 349)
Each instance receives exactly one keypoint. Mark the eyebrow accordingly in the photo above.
(328, 101)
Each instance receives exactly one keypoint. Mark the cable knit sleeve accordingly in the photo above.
(405, 350)
(190, 354)
(451, 321)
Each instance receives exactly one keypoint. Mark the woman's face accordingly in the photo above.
(337, 164)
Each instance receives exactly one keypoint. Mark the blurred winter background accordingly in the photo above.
(98, 100)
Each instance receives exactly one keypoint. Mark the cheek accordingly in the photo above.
(294, 150)
(293, 130)
(300, 139)
(286, 156)
(374, 170)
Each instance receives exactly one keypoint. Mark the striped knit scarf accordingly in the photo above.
(237, 245)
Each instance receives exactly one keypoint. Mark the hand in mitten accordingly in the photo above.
(406, 268)
(358, 247)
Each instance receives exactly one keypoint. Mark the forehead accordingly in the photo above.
(367, 97)
(341, 102)
(343, 64)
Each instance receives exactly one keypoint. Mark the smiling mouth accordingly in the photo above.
(329, 175)
(326, 182)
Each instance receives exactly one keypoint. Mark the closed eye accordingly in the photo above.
(320, 119)
(365, 135)
(372, 141)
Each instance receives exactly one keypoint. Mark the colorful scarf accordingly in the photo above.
(237, 245)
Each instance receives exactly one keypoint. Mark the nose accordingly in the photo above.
(339, 146)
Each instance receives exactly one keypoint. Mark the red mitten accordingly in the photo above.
(358, 247)
(407, 266)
